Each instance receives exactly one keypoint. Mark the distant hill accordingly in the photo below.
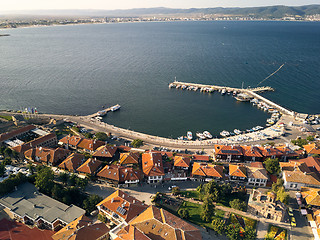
(263, 12)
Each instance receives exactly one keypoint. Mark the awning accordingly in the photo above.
(304, 212)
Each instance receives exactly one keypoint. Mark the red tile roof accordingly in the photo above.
(152, 164)
(71, 140)
(131, 233)
(131, 205)
(72, 162)
(311, 162)
(47, 155)
(90, 144)
(201, 158)
(124, 148)
(90, 166)
(129, 158)
(312, 148)
(34, 143)
(105, 151)
(207, 170)
(251, 151)
(228, 150)
(14, 133)
(181, 161)
(237, 170)
(120, 173)
(10, 230)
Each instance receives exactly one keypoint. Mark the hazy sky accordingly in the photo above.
(9, 5)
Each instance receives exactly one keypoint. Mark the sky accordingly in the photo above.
(13, 5)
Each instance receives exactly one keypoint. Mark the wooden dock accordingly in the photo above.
(217, 88)
(103, 112)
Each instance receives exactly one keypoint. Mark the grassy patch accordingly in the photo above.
(194, 213)
(277, 233)
(9, 118)
(191, 194)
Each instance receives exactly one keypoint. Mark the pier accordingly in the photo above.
(103, 112)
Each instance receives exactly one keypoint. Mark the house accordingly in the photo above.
(312, 163)
(257, 175)
(270, 152)
(130, 232)
(312, 149)
(206, 172)
(120, 174)
(311, 196)
(28, 205)
(47, 156)
(252, 153)
(228, 153)
(159, 224)
(70, 142)
(129, 158)
(73, 162)
(297, 175)
(90, 145)
(287, 152)
(83, 228)
(152, 167)
(237, 172)
(266, 206)
(105, 153)
(120, 207)
(91, 166)
(21, 132)
(200, 158)
(181, 163)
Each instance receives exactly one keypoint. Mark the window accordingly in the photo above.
(153, 226)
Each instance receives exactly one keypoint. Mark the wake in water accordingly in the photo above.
(271, 75)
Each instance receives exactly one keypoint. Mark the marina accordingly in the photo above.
(98, 115)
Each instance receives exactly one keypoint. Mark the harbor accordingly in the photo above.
(100, 114)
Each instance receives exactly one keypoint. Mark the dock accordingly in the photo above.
(103, 112)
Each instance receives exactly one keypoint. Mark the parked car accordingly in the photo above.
(293, 222)
(290, 211)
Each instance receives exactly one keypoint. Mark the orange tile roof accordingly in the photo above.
(72, 162)
(228, 150)
(124, 148)
(105, 151)
(159, 224)
(298, 172)
(129, 158)
(120, 173)
(131, 205)
(152, 164)
(46, 154)
(207, 170)
(34, 143)
(312, 148)
(71, 140)
(256, 164)
(180, 161)
(204, 158)
(286, 151)
(311, 162)
(251, 151)
(82, 229)
(90, 144)
(90, 166)
(131, 233)
(311, 195)
(270, 151)
(237, 170)
(257, 173)
(14, 133)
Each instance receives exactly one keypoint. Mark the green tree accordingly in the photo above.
(72, 180)
(219, 226)
(207, 209)
(88, 135)
(250, 233)
(81, 183)
(2, 169)
(183, 213)
(101, 136)
(31, 168)
(175, 191)
(137, 143)
(210, 187)
(7, 161)
(89, 204)
(44, 180)
(277, 185)
(102, 218)
(7, 152)
(233, 231)
(272, 165)
(64, 177)
(310, 138)
(237, 204)
(283, 196)
(199, 188)
(57, 192)
(300, 142)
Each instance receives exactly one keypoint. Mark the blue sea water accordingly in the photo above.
(78, 69)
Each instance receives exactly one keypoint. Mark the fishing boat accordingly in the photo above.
(207, 134)
(115, 107)
(189, 135)
(200, 135)
(237, 131)
(223, 91)
(224, 133)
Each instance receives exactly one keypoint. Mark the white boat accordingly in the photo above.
(200, 135)
(207, 134)
(223, 91)
(102, 113)
(115, 108)
(98, 118)
(183, 87)
(224, 133)
(189, 135)
(242, 97)
(237, 131)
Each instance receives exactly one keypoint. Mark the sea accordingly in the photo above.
(80, 69)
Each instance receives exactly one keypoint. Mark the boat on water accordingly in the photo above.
(189, 135)
(207, 134)
(183, 87)
(242, 97)
(98, 118)
(200, 135)
(225, 133)
(237, 131)
(223, 91)
(115, 108)
(102, 113)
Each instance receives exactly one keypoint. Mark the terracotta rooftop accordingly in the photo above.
(181, 161)
(71, 140)
(46, 154)
(82, 229)
(72, 162)
(256, 164)
(152, 164)
(131, 233)
(105, 151)
(131, 207)
(159, 224)
(207, 170)
(10, 230)
(311, 195)
(120, 173)
(299, 173)
(90, 144)
(34, 143)
(257, 172)
(237, 170)
(90, 166)
(251, 151)
(228, 150)
(312, 148)
(124, 148)
(203, 158)
(14, 133)
(129, 158)
(311, 162)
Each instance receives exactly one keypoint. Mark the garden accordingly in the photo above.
(276, 233)
(244, 222)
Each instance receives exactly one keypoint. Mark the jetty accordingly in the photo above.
(103, 112)
(217, 88)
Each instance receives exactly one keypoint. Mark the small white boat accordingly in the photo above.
(189, 135)
(207, 134)
(224, 133)
(98, 118)
(200, 135)
(237, 131)
(115, 108)
(223, 91)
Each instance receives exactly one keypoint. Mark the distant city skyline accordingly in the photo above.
(20, 5)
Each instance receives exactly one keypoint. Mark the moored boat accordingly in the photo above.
(189, 135)
(207, 134)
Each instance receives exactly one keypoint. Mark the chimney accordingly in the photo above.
(133, 201)
(112, 199)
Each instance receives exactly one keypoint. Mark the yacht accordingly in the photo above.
(224, 133)
(189, 135)
(200, 136)
(223, 91)
(115, 108)
(207, 134)
(242, 97)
